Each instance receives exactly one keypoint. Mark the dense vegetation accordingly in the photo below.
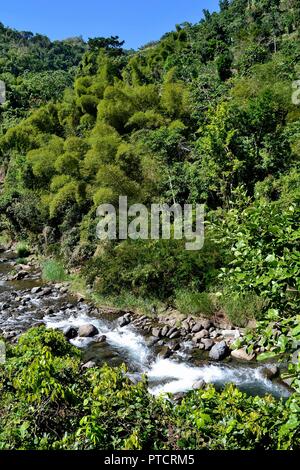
(47, 402)
(204, 115)
(35, 71)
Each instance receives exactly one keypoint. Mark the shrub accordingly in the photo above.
(22, 250)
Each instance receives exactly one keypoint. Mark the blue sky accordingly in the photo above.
(135, 21)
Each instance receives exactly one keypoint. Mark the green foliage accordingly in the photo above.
(194, 303)
(48, 403)
(242, 308)
(53, 270)
(22, 250)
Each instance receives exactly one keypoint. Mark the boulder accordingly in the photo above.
(70, 332)
(46, 291)
(87, 331)
(242, 355)
(152, 341)
(219, 351)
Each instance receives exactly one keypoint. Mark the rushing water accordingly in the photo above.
(127, 345)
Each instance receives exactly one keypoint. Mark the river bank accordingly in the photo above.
(177, 353)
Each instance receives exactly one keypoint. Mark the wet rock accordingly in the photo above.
(101, 339)
(70, 332)
(124, 321)
(208, 343)
(87, 331)
(89, 365)
(175, 334)
(19, 276)
(174, 345)
(166, 353)
(271, 372)
(45, 291)
(36, 290)
(242, 355)
(199, 385)
(219, 351)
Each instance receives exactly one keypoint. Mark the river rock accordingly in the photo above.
(175, 334)
(174, 345)
(208, 343)
(101, 339)
(199, 336)
(171, 331)
(36, 290)
(165, 330)
(152, 341)
(186, 326)
(206, 324)
(87, 331)
(196, 328)
(156, 332)
(166, 353)
(124, 321)
(270, 372)
(231, 334)
(219, 351)
(242, 355)
(89, 365)
(199, 385)
(70, 332)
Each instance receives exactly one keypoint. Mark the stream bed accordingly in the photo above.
(27, 302)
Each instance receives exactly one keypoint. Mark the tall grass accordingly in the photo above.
(194, 303)
(242, 308)
(53, 271)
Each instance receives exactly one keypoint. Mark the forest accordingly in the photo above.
(205, 115)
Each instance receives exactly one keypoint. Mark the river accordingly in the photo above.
(20, 308)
